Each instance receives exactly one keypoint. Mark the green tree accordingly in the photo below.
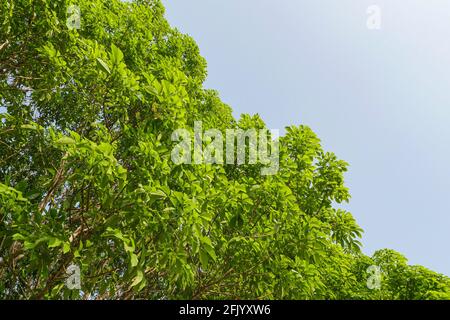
(86, 176)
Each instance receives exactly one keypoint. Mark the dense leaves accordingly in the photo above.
(86, 176)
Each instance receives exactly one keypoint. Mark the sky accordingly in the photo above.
(379, 99)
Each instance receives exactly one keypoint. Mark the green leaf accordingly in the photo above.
(103, 65)
(134, 260)
(138, 278)
(54, 242)
(18, 236)
(28, 126)
(204, 258)
(211, 252)
(66, 247)
(158, 194)
(65, 140)
(116, 55)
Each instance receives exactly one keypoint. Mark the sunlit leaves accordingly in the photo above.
(86, 176)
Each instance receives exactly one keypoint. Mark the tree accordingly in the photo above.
(86, 176)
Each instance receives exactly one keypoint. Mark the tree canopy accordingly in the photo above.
(86, 176)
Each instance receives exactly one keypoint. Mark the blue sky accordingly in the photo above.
(379, 99)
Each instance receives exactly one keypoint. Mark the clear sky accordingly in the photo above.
(379, 99)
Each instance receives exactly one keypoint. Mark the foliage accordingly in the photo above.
(86, 176)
